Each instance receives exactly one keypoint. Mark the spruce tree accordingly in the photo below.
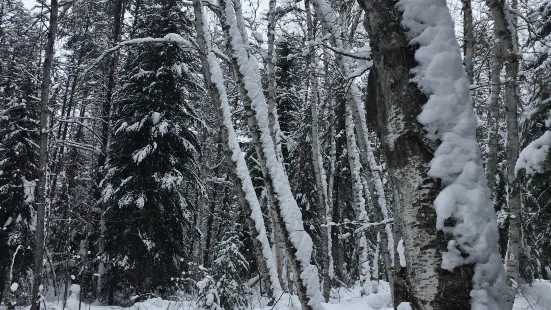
(18, 143)
(152, 156)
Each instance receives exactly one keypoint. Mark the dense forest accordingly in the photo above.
(237, 153)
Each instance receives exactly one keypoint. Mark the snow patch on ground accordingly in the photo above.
(535, 297)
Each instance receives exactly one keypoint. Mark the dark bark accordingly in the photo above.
(408, 154)
(43, 155)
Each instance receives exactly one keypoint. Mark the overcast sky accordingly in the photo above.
(29, 3)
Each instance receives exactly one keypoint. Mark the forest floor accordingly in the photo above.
(534, 297)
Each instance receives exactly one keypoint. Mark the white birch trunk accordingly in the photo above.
(371, 168)
(493, 113)
(506, 29)
(317, 160)
(299, 243)
(357, 194)
(241, 175)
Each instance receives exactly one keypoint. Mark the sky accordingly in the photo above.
(29, 3)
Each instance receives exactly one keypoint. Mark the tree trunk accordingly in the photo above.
(409, 154)
(43, 156)
(468, 38)
(317, 160)
(299, 243)
(506, 30)
(106, 111)
(238, 168)
(358, 197)
(493, 113)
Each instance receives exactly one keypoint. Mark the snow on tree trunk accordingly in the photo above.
(300, 244)
(373, 175)
(444, 214)
(275, 131)
(506, 30)
(317, 160)
(358, 195)
(493, 115)
(238, 168)
(43, 156)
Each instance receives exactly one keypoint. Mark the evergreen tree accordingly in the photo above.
(152, 156)
(18, 142)
(223, 284)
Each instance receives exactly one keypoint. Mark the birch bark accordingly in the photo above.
(408, 154)
(299, 243)
(493, 115)
(506, 30)
(317, 160)
(275, 131)
(238, 168)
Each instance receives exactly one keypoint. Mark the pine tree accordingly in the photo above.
(153, 154)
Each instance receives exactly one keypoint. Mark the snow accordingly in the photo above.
(155, 117)
(29, 190)
(535, 297)
(448, 116)
(290, 212)
(534, 155)
(243, 173)
(401, 250)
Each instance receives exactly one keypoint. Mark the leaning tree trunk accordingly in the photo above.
(234, 156)
(317, 160)
(299, 243)
(437, 274)
(358, 197)
(43, 156)
(506, 30)
(275, 131)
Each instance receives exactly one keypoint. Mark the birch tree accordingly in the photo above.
(234, 156)
(411, 126)
(506, 31)
(247, 77)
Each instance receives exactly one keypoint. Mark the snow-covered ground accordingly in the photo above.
(535, 297)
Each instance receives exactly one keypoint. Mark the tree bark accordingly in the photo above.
(408, 155)
(493, 113)
(299, 247)
(506, 30)
(238, 169)
(43, 155)
(106, 111)
(317, 160)
(468, 38)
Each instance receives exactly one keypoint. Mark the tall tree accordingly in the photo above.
(152, 156)
(43, 154)
(506, 30)
(419, 146)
